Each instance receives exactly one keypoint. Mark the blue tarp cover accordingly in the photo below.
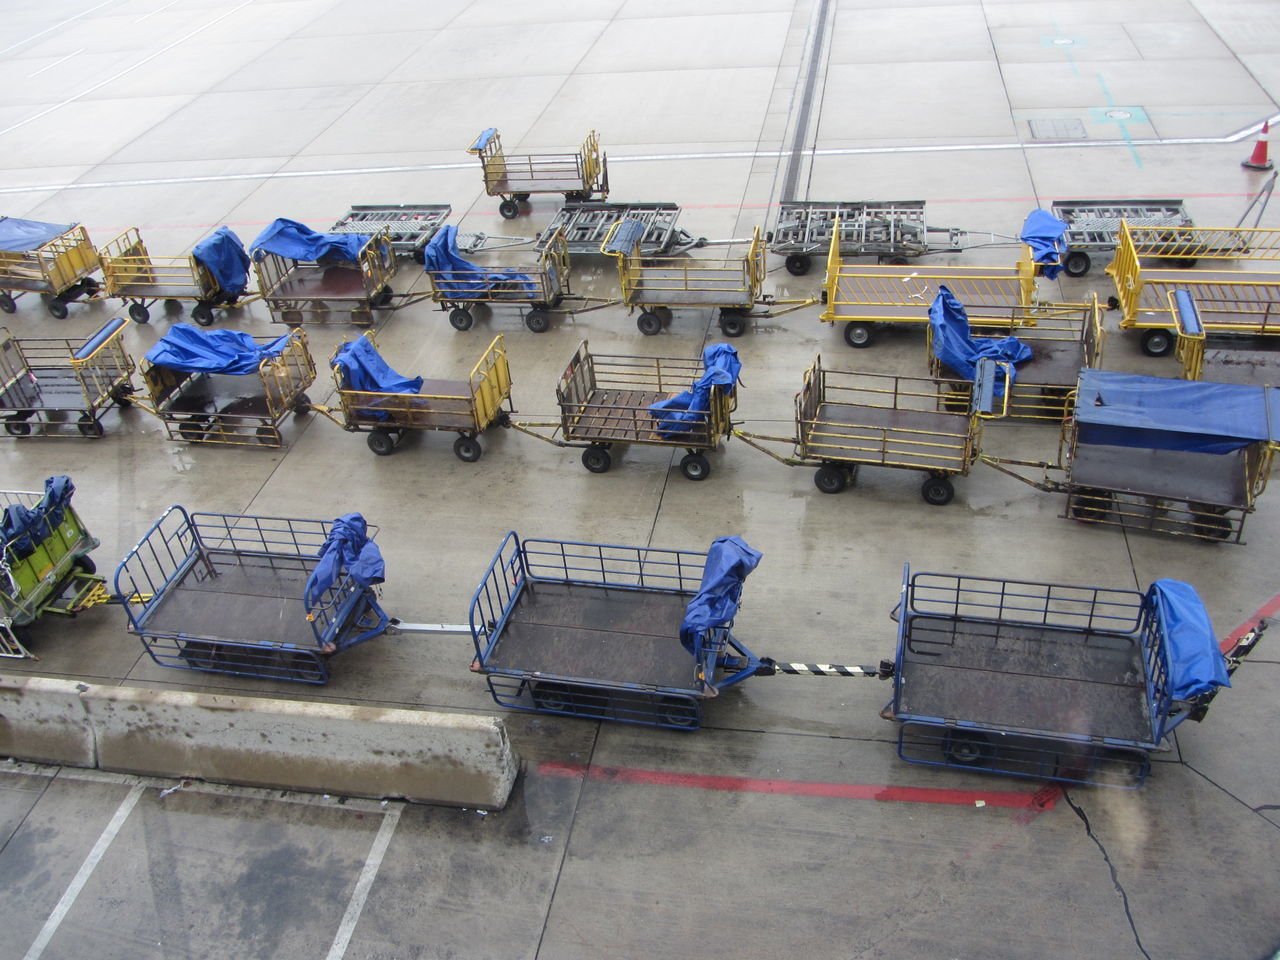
(29, 527)
(461, 278)
(955, 345)
(363, 369)
(729, 560)
(626, 237)
(482, 141)
(288, 238)
(687, 411)
(194, 350)
(19, 236)
(1188, 315)
(222, 254)
(1047, 237)
(348, 548)
(1196, 664)
(1131, 410)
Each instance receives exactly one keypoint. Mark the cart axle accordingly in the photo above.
(769, 668)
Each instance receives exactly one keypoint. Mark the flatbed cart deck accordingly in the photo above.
(515, 177)
(131, 274)
(1093, 226)
(53, 260)
(465, 407)
(302, 291)
(584, 227)
(1068, 683)
(1248, 361)
(49, 384)
(410, 227)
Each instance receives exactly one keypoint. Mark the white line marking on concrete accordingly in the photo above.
(55, 63)
(360, 894)
(116, 76)
(36, 36)
(82, 875)
(155, 11)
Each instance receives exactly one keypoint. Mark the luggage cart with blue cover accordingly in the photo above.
(45, 565)
(214, 274)
(1077, 684)
(516, 177)
(1093, 226)
(253, 596)
(55, 260)
(51, 384)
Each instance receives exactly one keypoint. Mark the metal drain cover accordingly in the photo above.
(1057, 129)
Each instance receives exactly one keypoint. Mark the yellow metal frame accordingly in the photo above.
(550, 278)
(584, 172)
(51, 268)
(377, 264)
(644, 280)
(1188, 350)
(126, 262)
(1206, 243)
(100, 375)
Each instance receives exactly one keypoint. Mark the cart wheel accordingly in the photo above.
(509, 209)
(269, 436)
(554, 697)
(695, 466)
(17, 426)
(1113, 303)
(937, 491)
(1208, 525)
(664, 314)
(678, 712)
(460, 319)
(383, 299)
(172, 306)
(139, 313)
(7, 303)
(894, 261)
(650, 323)
(382, 443)
(1186, 263)
(89, 426)
(85, 564)
(57, 308)
(955, 400)
(467, 449)
(596, 459)
(539, 321)
(90, 287)
(858, 334)
(193, 428)
(291, 318)
(419, 254)
(1077, 263)
(521, 197)
(1157, 343)
(732, 324)
(301, 404)
(798, 264)
(829, 478)
(1094, 507)
(966, 748)
(202, 314)
(122, 396)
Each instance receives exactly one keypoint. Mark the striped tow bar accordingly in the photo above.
(769, 667)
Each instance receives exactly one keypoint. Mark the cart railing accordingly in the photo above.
(549, 279)
(1206, 243)
(126, 262)
(101, 366)
(376, 263)
(651, 280)
(1189, 348)
(29, 577)
(57, 264)
(506, 174)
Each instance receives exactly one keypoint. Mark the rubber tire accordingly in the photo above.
(675, 712)
(382, 443)
(1213, 528)
(57, 309)
(467, 449)
(1157, 343)
(968, 749)
(268, 436)
(695, 466)
(202, 314)
(89, 426)
(521, 197)
(650, 324)
(894, 261)
(85, 564)
(139, 313)
(7, 303)
(597, 459)
(553, 697)
(122, 396)
(291, 318)
(937, 491)
(509, 209)
(193, 428)
(1186, 263)
(858, 335)
(172, 306)
(17, 427)
(830, 479)
(460, 319)
(1087, 512)
(301, 404)
(1077, 264)
(1113, 303)
(538, 321)
(732, 324)
(798, 264)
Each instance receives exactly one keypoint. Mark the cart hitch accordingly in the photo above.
(769, 667)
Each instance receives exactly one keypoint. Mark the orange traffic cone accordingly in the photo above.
(1258, 160)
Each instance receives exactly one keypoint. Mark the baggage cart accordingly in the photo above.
(54, 260)
(411, 226)
(605, 402)
(51, 384)
(328, 291)
(1224, 359)
(465, 407)
(46, 564)
(238, 409)
(584, 227)
(1093, 226)
(131, 274)
(223, 593)
(516, 177)
(1077, 684)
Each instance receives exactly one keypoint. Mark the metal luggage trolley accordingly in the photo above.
(1229, 301)
(845, 420)
(1167, 456)
(410, 227)
(1070, 683)
(466, 407)
(223, 593)
(584, 227)
(235, 408)
(656, 284)
(605, 399)
(55, 260)
(46, 567)
(50, 383)
(515, 177)
(1221, 360)
(1093, 226)
(307, 291)
(130, 273)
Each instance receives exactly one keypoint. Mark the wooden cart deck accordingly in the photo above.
(1216, 479)
(219, 393)
(441, 405)
(311, 282)
(620, 416)
(51, 390)
(159, 291)
(885, 436)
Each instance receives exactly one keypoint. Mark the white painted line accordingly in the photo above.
(360, 894)
(63, 23)
(55, 63)
(155, 11)
(82, 875)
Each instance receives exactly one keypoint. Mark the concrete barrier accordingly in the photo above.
(416, 755)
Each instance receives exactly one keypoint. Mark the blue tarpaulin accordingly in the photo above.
(363, 369)
(347, 549)
(1195, 662)
(687, 412)
(955, 345)
(461, 278)
(288, 238)
(28, 527)
(194, 350)
(222, 254)
(1047, 237)
(1131, 410)
(729, 560)
(625, 238)
(19, 236)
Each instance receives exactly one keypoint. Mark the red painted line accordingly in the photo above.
(1039, 801)
(1265, 612)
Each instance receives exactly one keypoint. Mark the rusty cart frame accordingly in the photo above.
(516, 177)
(301, 291)
(59, 270)
(132, 275)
